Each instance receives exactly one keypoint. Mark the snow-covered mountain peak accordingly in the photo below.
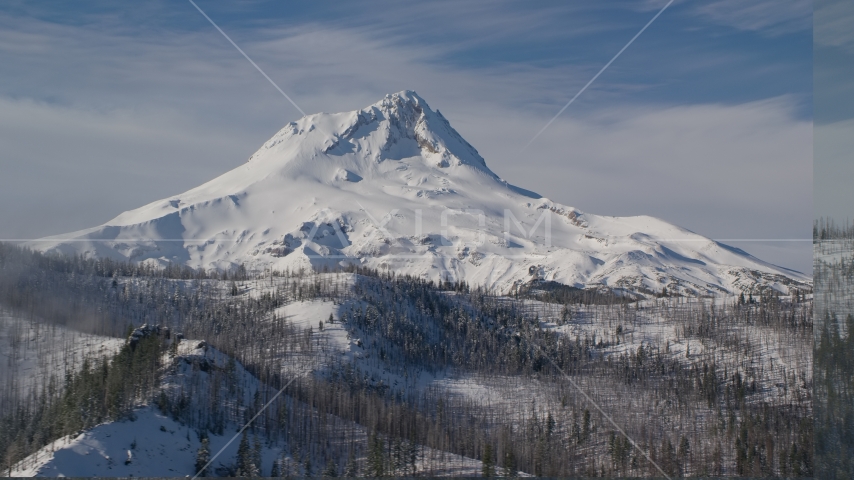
(401, 125)
(410, 118)
(394, 186)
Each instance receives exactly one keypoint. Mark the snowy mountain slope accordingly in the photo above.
(159, 445)
(772, 355)
(34, 350)
(835, 299)
(153, 444)
(102, 452)
(780, 362)
(394, 186)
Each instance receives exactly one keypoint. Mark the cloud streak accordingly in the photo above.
(767, 17)
(98, 120)
(833, 24)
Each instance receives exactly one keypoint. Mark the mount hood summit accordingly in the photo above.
(394, 187)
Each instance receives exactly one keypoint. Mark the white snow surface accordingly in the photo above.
(102, 451)
(394, 186)
(159, 446)
(33, 350)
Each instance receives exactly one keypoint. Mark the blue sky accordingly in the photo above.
(705, 121)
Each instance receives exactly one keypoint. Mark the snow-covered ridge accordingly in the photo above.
(151, 443)
(394, 186)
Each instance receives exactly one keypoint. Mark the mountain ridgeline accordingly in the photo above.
(405, 374)
(364, 296)
(394, 187)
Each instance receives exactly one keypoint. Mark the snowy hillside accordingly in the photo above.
(833, 402)
(441, 372)
(394, 186)
(154, 444)
(35, 351)
(832, 261)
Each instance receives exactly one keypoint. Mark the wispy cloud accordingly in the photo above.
(834, 24)
(767, 17)
(66, 167)
(725, 170)
(99, 120)
(451, 25)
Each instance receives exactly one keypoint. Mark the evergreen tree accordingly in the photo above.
(411, 454)
(245, 459)
(509, 467)
(398, 461)
(684, 449)
(585, 426)
(376, 457)
(488, 463)
(256, 455)
(668, 456)
(307, 467)
(352, 468)
(203, 456)
(331, 470)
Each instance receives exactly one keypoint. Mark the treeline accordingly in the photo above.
(826, 228)
(17, 259)
(80, 293)
(408, 326)
(834, 405)
(833, 273)
(102, 390)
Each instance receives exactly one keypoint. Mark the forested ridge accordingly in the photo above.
(834, 349)
(102, 390)
(714, 410)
